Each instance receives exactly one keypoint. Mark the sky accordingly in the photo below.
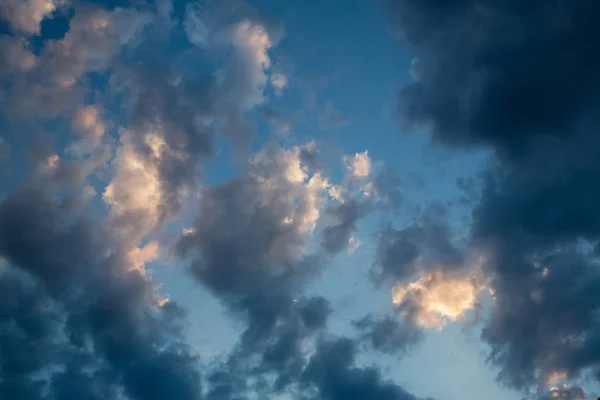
(299, 199)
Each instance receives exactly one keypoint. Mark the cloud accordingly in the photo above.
(521, 80)
(95, 37)
(25, 16)
(332, 374)
(247, 243)
(437, 299)
(76, 319)
(135, 193)
(423, 245)
(564, 393)
(278, 81)
(18, 57)
(88, 122)
(480, 84)
(338, 234)
(251, 42)
(363, 190)
(359, 165)
(387, 334)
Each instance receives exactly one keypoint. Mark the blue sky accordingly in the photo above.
(287, 199)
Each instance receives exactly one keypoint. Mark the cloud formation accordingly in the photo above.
(522, 80)
(77, 318)
(436, 299)
(331, 372)
(248, 242)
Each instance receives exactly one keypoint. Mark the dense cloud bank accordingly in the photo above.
(521, 79)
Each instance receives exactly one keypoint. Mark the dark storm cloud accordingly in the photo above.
(76, 320)
(499, 72)
(387, 334)
(522, 79)
(332, 375)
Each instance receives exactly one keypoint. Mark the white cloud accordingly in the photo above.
(284, 169)
(135, 193)
(359, 165)
(337, 193)
(246, 73)
(139, 256)
(439, 299)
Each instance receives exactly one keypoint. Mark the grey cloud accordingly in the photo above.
(564, 393)
(426, 243)
(380, 193)
(56, 82)
(246, 255)
(86, 313)
(335, 237)
(521, 78)
(332, 375)
(387, 334)
(175, 112)
(243, 248)
(270, 356)
(499, 72)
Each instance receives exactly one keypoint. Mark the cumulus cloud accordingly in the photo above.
(423, 245)
(79, 316)
(362, 191)
(331, 371)
(88, 124)
(248, 245)
(388, 334)
(76, 320)
(54, 79)
(437, 299)
(338, 234)
(25, 16)
(18, 58)
(523, 82)
(359, 165)
(135, 194)
(251, 42)
(252, 231)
